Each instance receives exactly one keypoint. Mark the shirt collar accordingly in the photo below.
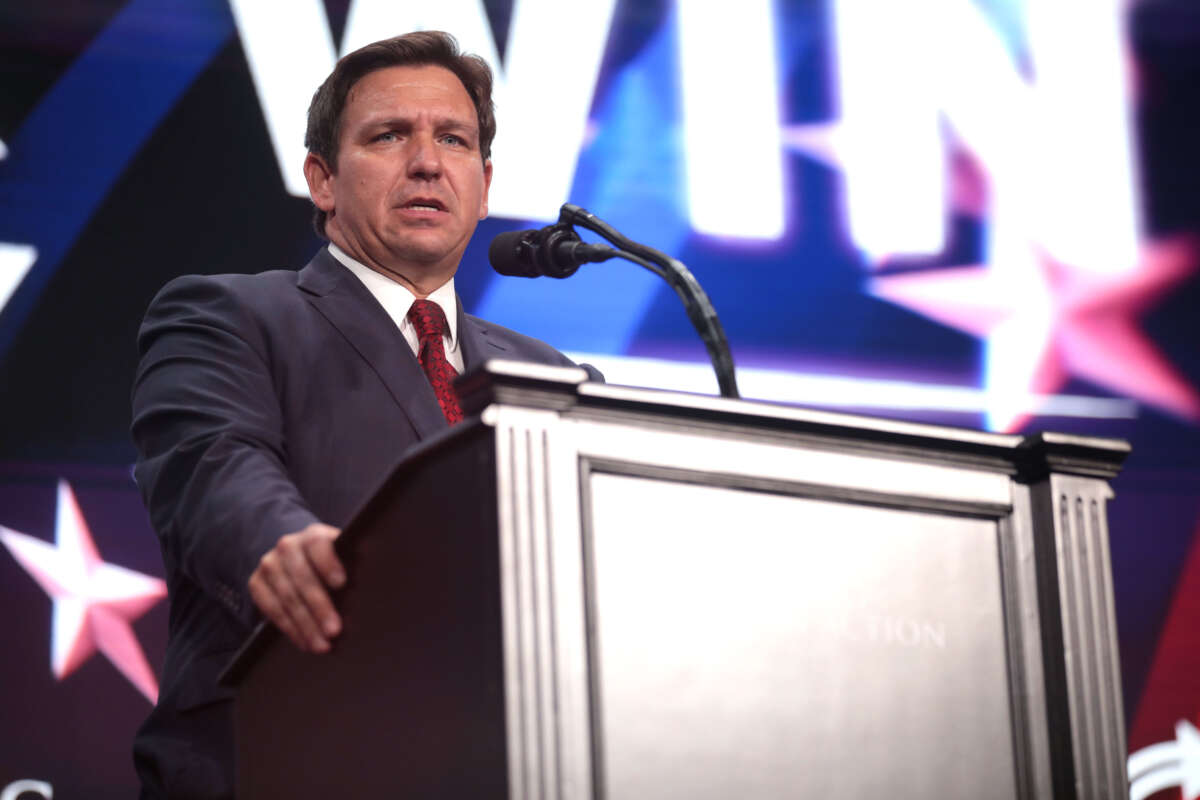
(395, 297)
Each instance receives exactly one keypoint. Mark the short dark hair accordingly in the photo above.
(419, 48)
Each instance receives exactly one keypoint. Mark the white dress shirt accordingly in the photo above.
(396, 299)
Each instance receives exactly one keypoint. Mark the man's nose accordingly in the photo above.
(425, 160)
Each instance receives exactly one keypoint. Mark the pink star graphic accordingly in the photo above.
(1070, 322)
(94, 602)
(1042, 320)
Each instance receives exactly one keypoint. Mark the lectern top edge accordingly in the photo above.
(559, 388)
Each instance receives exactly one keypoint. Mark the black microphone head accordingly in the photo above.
(511, 253)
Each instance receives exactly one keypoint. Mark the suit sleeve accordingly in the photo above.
(209, 433)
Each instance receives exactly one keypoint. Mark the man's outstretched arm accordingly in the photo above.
(211, 465)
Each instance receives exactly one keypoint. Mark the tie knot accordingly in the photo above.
(428, 319)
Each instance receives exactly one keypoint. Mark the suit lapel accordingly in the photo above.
(356, 314)
(476, 341)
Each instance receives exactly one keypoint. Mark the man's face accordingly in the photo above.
(410, 184)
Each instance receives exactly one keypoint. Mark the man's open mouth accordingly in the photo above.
(424, 204)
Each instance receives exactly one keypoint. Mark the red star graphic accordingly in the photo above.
(1067, 322)
(1170, 701)
(94, 602)
(1043, 320)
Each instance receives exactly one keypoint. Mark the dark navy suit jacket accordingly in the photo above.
(262, 403)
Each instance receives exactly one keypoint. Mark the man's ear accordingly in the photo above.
(487, 185)
(320, 181)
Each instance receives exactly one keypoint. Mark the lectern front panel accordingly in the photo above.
(750, 644)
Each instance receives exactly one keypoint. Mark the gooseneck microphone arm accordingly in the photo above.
(695, 301)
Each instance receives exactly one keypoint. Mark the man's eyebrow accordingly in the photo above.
(387, 122)
(441, 123)
(451, 124)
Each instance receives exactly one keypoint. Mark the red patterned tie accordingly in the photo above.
(429, 320)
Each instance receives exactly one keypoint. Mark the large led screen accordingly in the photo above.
(982, 213)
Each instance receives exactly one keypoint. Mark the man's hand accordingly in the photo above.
(289, 586)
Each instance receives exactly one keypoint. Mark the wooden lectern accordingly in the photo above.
(593, 591)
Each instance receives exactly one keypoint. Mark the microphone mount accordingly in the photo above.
(557, 251)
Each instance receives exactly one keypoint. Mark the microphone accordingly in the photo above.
(555, 251)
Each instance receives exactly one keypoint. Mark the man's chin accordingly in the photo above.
(433, 256)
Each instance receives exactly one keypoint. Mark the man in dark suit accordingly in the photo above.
(268, 407)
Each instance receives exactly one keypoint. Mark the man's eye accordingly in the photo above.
(386, 136)
(451, 138)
